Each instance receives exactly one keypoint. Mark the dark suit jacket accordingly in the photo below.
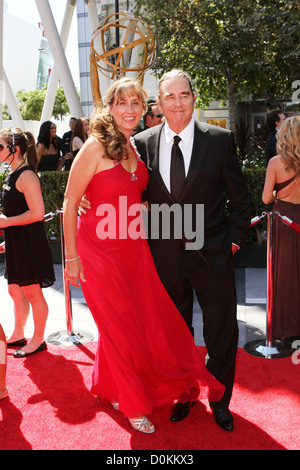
(271, 145)
(213, 168)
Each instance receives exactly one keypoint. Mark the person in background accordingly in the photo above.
(66, 142)
(67, 137)
(282, 188)
(153, 116)
(80, 135)
(273, 124)
(48, 148)
(28, 260)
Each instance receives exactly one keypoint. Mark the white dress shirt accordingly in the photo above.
(166, 142)
(186, 146)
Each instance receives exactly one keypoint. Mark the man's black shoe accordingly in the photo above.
(223, 418)
(181, 410)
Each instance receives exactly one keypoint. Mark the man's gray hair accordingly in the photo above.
(174, 73)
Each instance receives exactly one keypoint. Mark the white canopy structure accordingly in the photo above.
(88, 14)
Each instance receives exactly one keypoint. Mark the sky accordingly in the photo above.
(27, 10)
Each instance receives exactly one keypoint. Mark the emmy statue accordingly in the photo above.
(135, 53)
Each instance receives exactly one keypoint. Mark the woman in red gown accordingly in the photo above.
(146, 356)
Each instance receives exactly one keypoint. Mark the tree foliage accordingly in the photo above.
(231, 48)
(31, 104)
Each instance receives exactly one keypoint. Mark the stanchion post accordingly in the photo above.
(268, 348)
(67, 290)
(68, 337)
(270, 292)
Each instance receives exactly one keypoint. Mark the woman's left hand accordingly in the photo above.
(74, 272)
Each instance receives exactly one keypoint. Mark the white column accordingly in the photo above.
(58, 53)
(92, 12)
(84, 41)
(54, 76)
(12, 104)
(5, 88)
(94, 23)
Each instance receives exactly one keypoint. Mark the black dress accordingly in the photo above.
(286, 292)
(48, 162)
(69, 161)
(28, 257)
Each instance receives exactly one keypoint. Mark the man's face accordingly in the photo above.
(72, 124)
(155, 117)
(176, 102)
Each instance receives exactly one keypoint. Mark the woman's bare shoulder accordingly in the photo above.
(276, 161)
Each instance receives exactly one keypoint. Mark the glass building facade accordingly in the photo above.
(45, 64)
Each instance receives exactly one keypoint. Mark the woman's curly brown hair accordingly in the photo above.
(102, 125)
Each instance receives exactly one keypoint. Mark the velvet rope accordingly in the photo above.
(256, 219)
(290, 223)
(284, 219)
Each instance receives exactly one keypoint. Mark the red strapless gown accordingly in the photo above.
(146, 356)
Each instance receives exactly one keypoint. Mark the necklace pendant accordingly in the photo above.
(133, 177)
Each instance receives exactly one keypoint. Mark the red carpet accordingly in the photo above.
(50, 408)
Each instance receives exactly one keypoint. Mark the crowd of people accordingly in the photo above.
(56, 153)
(140, 291)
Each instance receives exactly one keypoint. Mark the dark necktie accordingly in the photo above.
(177, 173)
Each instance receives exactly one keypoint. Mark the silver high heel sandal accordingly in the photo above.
(142, 424)
(114, 404)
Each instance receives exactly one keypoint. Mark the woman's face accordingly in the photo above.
(127, 113)
(86, 127)
(52, 131)
(4, 150)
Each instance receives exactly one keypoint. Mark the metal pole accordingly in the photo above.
(117, 29)
(267, 348)
(269, 325)
(68, 337)
(67, 291)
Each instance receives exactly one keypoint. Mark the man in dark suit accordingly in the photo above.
(208, 160)
(66, 138)
(273, 124)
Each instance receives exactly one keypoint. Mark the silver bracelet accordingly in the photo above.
(73, 259)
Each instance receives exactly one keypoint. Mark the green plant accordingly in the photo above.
(53, 185)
